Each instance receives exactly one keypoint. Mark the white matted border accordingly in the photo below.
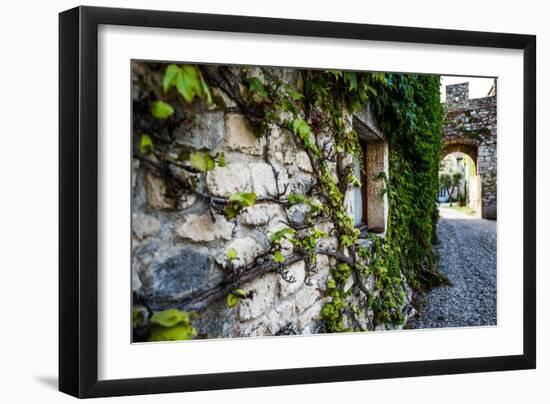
(118, 359)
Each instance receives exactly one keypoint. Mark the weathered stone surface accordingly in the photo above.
(280, 316)
(240, 137)
(205, 132)
(234, 177)
(156, 192)
(144, 225)
(305, 297)
(255, 72)
(306, 320)
(187, 200)
(303, 163)
(331, 242)
(265, 290)
(259, 214)
(322, 275)
(217, 320)
(297, 214)
(203, 228)
(247, 249)
(253, 328)
(184, 271)
(298, 272)
(263, 179)
(223, 97)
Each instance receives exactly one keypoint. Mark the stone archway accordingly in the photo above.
(471, 128)
(470, 186)
(461, 146)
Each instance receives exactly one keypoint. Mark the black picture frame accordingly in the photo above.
(78, 201)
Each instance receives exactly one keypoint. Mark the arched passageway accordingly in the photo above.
(463, 184)
(471, 128)
(466, 147)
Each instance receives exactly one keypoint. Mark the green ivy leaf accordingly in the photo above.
(293, 198)
(232, 300)
(350, 78)
(161, 110)
(301, 128)
(170, 76)
(169, 317)
(188, 81)
(238, 201)
(220, 159)
(278, 257)
(232, 254)
(206, 90)
(243, 198)
(201, 161)
(256, 87)
(240, 293)
(231, 211)
(346, 241)
(146, 146)
(179, 332)
(284, 233)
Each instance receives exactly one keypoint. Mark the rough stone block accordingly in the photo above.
(260, 214)
(322, 275)
(253, 328)
(224, 181)
(305, 297)
(265, 290)
(205, 132)
(203, 228)
(184, 271)
(156, 192)
(297, 214)
(280, 316)
(302, 161)
(298, 272)
(240, 137)
(144, 225)
(307, 318)
(263, 179)
(247, 250)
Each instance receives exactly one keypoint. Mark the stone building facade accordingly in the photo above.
(179, 247)
(470, 127)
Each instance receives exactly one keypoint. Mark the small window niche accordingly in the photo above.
(367, 204)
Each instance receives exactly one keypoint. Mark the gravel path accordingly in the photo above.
(467, 256)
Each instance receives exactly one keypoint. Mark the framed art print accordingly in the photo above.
(250, 201)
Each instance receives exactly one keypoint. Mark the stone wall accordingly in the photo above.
(471, 127)
(180, 245)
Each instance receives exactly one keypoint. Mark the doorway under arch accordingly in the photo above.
(461, 159)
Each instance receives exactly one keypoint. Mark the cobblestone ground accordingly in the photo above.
(467, 256)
